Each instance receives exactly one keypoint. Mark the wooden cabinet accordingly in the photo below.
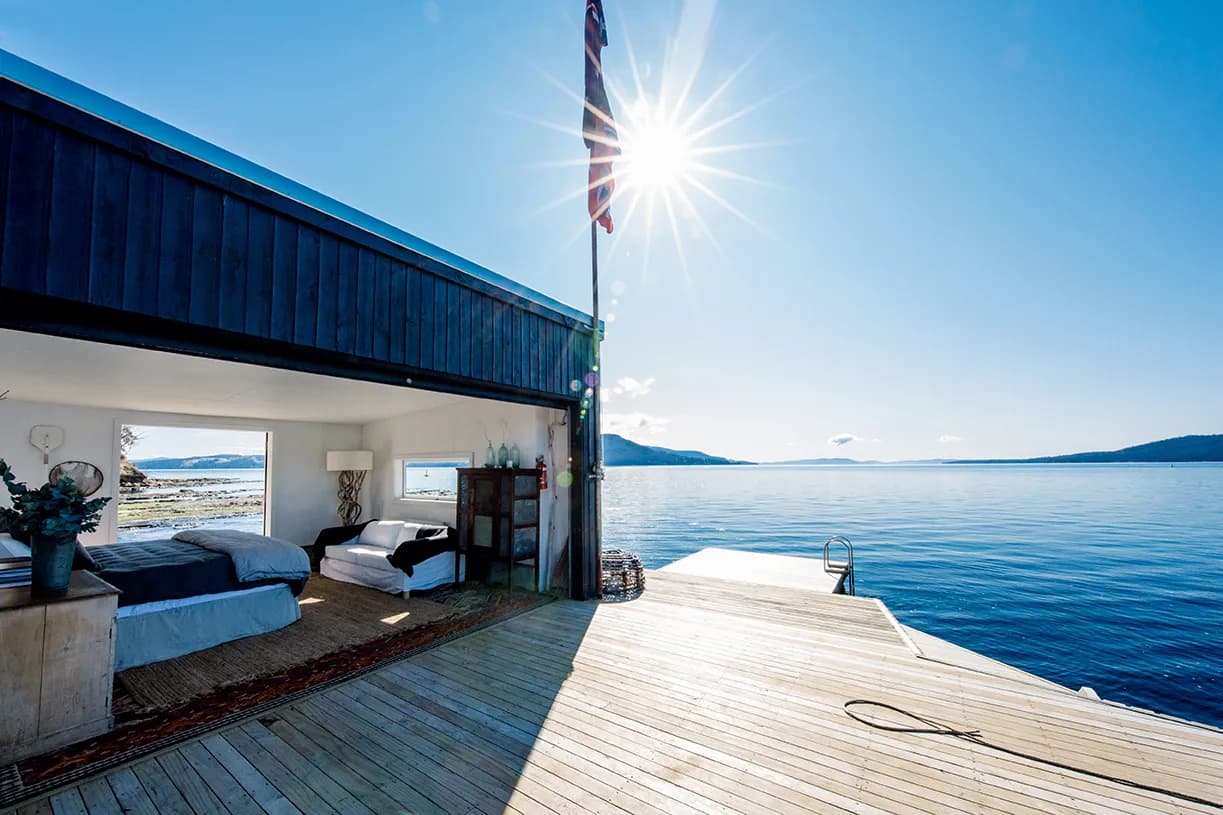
(498, 515)
(58, 666)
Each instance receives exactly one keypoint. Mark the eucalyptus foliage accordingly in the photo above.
(55, 511)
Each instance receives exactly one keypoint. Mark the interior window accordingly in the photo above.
(435, 478)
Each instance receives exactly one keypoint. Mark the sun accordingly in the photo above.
(672, 143)
(656, 151)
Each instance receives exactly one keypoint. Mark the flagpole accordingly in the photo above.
(598, 365)
(596, 411)
(594, 296)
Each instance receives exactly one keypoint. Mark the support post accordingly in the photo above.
(594, 413)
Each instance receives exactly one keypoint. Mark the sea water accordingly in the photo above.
(1101, 575)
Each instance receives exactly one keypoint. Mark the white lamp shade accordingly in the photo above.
(350, 460)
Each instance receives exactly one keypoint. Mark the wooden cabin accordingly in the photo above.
(147, 276)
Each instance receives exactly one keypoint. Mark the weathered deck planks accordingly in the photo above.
(702, 696)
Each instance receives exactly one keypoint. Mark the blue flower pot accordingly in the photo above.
(51, 564)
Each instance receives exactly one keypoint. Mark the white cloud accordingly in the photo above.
(634, 425)
(628, 386)
(634, 387)
(947, 438)
(842, 439)
(876, 441)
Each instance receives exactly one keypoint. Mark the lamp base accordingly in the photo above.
(350, 490)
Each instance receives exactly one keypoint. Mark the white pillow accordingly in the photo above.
(409, 531)
(383, 534)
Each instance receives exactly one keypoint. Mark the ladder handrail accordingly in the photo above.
(844, 568)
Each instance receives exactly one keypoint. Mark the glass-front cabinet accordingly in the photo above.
(498, 515)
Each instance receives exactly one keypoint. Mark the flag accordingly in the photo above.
(598, 124)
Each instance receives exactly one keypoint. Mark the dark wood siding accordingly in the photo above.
(103, 223)
(101, 215)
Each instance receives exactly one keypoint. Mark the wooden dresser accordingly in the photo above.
(57, 657)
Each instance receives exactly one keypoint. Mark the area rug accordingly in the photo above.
(335, 616)
(164, 704)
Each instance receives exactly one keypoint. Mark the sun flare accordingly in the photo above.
(672, 143)
(656, 150)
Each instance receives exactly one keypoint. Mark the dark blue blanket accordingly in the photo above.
(145, 571)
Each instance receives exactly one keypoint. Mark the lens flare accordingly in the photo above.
(668, 168)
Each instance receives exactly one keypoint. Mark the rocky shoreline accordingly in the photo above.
(157, 502)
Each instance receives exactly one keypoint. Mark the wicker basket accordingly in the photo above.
(623, 575)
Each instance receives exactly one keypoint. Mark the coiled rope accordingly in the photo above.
(935, 728)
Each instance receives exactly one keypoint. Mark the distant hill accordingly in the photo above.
(809, 461)
(620, 452)
(231, 461)
(1179, 449)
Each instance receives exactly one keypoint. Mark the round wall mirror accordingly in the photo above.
(87, 478)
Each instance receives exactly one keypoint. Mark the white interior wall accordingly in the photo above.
(301, 498)
(466, 427)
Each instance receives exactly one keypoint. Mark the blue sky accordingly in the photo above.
(182, 442)
(991, 222)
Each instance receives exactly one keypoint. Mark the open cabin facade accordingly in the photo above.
(147, 277)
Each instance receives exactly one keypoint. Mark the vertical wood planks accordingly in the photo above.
(427, 323)
(365, 303)
(83, 219)
(284, 278)
(203, 304)
(28, 204)
(328, 292)
(411, 353)
(6, 161)
(143, 254)
(260, 245)
(453, 329)
(174, 259)
(467, 326)
(71, 211)
(381, 315)
(21, 679)
(486, 338)
(235, 251)
(108, 232)
(346, 317)
(305, 313)
(440, 317)
(397, 315)
(499, 341)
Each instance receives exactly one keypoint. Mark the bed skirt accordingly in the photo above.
(151, 632)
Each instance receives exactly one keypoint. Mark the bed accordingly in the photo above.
(198, 590)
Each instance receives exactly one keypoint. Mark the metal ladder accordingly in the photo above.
(845, 567)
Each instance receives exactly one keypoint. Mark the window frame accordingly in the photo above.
(402, 460)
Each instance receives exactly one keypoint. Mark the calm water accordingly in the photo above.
(1100, 575)
(237, 481)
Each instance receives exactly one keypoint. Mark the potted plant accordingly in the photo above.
(50, 518)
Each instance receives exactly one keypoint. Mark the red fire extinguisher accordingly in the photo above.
(543, 472)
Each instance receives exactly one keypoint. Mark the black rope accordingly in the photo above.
(934, 728)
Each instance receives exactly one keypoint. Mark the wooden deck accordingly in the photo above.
(702, 696)
(786, 571)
